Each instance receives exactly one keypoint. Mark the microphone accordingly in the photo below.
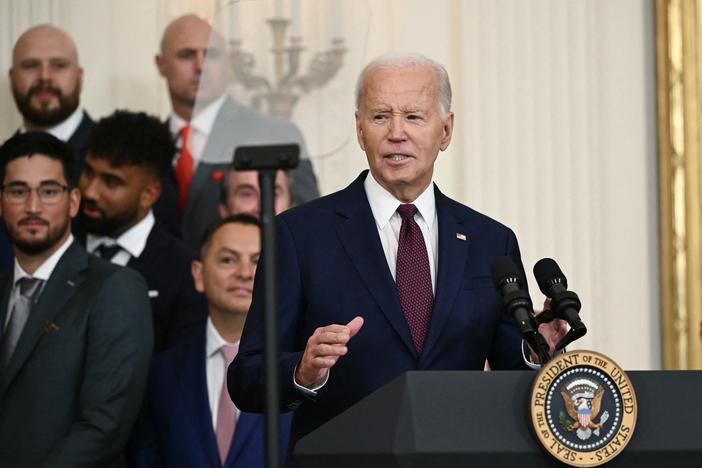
(508, 282)
(565, 304)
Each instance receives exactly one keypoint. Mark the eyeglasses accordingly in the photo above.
(19, 193)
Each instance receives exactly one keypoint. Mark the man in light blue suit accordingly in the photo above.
(388, 275)
(189, 419)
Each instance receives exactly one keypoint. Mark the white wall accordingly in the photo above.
(555, 120)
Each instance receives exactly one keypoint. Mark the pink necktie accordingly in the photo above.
(226, 414)
(413, 277)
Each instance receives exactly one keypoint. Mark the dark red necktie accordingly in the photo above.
(413, 277)
(184, 168)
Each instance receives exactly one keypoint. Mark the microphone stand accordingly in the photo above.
(268, 160)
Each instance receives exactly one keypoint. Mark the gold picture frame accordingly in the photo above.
(679, 89)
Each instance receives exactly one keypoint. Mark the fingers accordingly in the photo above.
(355, 325)
(323, 350)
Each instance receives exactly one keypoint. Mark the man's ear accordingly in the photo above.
(447, 131)
(149, 194)
(359, 131)
(196, 271)
(160, 65)
(73, 202)
(222, 209)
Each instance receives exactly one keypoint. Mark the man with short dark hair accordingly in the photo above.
(190, 419)
(76, 335)
(240, 193)
(128, 155)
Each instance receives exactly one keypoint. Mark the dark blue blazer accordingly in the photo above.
(332, 268)
(176, 425)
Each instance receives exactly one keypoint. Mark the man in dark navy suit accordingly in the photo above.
(189, 419)
(128, 154)
(388, 275)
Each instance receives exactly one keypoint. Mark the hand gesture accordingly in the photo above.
(323, 349)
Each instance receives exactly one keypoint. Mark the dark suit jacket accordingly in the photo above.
(331, 268)
(178, 309)
(75, 382)
(176, 428)
(234, 126)
(79, 141)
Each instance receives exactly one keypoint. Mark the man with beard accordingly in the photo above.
(46, 80)
(128, 155)
(76, 337)
(208, 125)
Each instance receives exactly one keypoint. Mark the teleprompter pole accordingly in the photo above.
(268, 160)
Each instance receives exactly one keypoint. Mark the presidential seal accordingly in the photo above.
(583, 408)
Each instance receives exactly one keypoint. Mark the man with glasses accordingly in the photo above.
(76, 340)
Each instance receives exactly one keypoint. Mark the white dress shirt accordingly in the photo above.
(384, 207)
(43, 273)
(64, 130)
(200, 128)
(215, 369)
(388, 221)
(132, 241)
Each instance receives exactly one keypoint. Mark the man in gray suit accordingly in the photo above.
(76, 331)
(208, 125)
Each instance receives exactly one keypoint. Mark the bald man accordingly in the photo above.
(46, 80)
(210, 125)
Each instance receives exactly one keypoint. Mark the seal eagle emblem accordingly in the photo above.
(583, 400)
(583, 408)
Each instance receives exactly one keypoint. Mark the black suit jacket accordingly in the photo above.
(79, 141)
(75, 382)
(178, 309)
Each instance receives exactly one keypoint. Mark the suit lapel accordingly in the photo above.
(245, 427)
(62, 284)
(359, 235)
(193, 383)
(453, 254)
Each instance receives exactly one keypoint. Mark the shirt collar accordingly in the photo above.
(45, 269)
(203, 121)
(65, 129)
(214, 340)
(133, 240)
(384, 205)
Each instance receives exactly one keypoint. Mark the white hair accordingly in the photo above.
(402, 61)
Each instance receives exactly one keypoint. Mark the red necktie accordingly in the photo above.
(226, 414)
(184, 168)
(413, 277)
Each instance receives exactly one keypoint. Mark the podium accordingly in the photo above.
(447, 419)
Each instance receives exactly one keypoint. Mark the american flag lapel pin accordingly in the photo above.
(460, 236)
